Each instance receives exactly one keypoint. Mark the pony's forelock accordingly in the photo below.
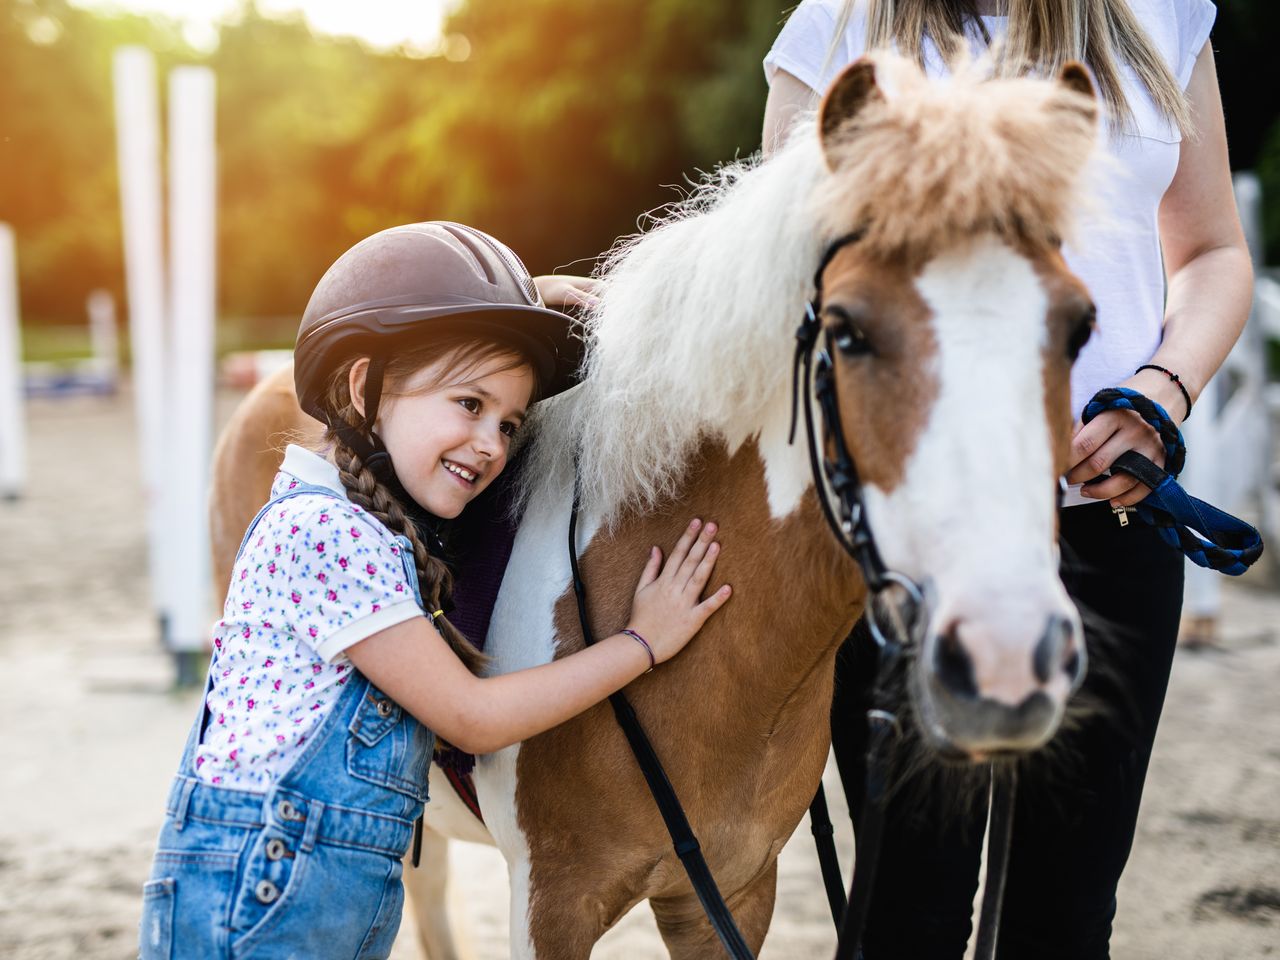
(936, 161)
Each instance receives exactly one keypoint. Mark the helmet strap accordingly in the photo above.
(373, 391)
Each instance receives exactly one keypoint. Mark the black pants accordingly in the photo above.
(1077, 804)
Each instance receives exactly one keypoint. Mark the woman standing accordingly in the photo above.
(1171, 276)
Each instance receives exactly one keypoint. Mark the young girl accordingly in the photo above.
(1172, 282)
(334, 667)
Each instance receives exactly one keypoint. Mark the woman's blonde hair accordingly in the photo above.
(458, 354)
(1042, 35)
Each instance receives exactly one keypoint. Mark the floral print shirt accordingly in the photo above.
(317, 575)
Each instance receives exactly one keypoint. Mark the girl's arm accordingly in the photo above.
(1210, 288)
(413, 665)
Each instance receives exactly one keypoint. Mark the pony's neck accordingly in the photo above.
(762, 667)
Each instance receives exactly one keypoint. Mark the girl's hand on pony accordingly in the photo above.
(667, 611)
(561, 290)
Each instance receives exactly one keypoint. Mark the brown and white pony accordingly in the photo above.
(958, 418)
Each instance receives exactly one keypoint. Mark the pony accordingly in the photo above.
(953, 321)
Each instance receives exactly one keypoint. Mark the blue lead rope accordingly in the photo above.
(1210, 537)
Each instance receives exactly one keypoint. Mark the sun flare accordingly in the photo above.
(384, 24)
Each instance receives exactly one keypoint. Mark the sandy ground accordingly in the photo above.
(90, 733)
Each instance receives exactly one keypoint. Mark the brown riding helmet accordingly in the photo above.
(396, 285)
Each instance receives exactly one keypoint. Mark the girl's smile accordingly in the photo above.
(466, 476)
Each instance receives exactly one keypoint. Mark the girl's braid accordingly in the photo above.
(434, 579)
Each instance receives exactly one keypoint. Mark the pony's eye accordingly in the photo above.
(1081, 332)
(847, 334)
(851, 341)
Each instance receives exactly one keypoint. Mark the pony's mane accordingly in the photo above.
(694, 334)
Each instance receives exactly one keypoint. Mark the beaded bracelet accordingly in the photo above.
(1175, 378)
(644, 643)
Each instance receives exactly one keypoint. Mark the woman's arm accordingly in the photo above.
(1210, 288)
(412, 664)
(1205, 253)
(788, 98)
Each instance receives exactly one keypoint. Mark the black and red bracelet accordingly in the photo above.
(1175, 378)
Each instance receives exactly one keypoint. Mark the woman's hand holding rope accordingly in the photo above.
(1095, 446)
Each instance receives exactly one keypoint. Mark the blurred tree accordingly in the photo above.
(723, 111)
(569, 115)
(552, 123)
(295, 114)
(555, 132)
(57, 148)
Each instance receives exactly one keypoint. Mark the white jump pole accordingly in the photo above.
(138, 150)
(192, 190)
(103, 338)
(13, 435)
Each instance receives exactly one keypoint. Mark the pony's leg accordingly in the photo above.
(689, 935)
(245, 461)
(561, 923)
(427, 889)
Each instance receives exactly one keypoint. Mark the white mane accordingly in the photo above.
(694, 336)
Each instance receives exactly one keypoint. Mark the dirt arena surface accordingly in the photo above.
(90, 734)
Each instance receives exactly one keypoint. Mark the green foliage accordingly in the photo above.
(1269, 176)
(555, 134)
(568, 117)
(57, 152)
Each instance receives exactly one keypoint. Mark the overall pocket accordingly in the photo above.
(155, 929)
(388, 747)
(186, 902)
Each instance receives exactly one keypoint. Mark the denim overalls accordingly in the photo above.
(310, 869)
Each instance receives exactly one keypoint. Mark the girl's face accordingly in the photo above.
(448, 432)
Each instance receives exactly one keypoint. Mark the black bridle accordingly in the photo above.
(895, 614)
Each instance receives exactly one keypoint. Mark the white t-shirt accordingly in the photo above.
(1120, 261)
(317, 575)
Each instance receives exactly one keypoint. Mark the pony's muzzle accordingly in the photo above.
(979, 696)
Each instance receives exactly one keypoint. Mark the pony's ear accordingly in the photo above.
(852, 90)
(1074, 76)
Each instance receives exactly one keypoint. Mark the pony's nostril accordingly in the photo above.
(953, 665)
(1050, 650)
(1072, 666)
